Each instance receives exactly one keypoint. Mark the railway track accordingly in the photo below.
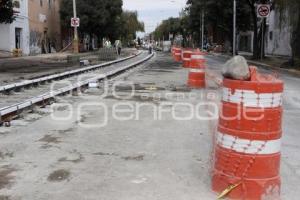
(17, 97)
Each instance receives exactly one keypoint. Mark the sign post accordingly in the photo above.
(234, 29)
(75, 22)
(202, 30)
(263, 12)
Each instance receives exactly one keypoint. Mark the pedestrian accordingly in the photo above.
(150, 48)
(118, 46)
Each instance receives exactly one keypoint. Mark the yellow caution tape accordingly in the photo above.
(228, 190)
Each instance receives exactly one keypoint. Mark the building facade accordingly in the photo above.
(277, 37)
(44, 26)
(16, 34)
(36, 28)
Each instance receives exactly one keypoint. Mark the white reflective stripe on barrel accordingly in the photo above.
(197, 70)
(248, 146)
(250, 98)
(186, 59)
(196, 57)
(187, 52)
(177, 54)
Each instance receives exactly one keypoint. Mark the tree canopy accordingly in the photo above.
(130, 25)
(6, 11)
(218, 18)
(98, 17)
(169, 26)
(104, 18)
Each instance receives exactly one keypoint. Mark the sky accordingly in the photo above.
(152, 12)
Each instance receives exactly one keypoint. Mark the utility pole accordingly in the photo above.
(75, 42)
(202, 31)
(234, 29)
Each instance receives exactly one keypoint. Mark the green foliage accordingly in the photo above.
(218, 18)
(169, 26)
(99, 17)
(129, 25)
(6, 11)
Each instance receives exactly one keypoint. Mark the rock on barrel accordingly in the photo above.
(248, 140)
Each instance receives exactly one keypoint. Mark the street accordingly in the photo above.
(125, 142)
(149, 100)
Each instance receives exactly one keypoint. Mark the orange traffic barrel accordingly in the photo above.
(177, 54)
(196, 78)
(248, 140)
(197, 67)
(197, 60)
(186, 57)
(173, 51)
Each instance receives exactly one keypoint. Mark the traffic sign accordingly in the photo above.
(263, 10)
(75, 22)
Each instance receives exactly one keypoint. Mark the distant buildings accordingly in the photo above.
(16, 34)
(36, 30)
(277, 38)
(44, 26)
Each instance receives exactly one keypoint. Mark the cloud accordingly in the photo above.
(152, 12)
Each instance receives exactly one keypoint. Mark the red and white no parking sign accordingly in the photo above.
(263, 10)
(75, 22)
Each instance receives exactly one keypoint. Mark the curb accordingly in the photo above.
(263, 65)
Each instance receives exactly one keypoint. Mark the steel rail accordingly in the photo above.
(9, 112)
(14, 86)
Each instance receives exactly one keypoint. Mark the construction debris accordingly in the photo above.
(236, 68)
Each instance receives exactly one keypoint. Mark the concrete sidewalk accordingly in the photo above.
(276, 66)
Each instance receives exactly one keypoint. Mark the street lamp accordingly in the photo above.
(75, 42)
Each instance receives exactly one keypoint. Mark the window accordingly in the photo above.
(41, 3)
(18, 33)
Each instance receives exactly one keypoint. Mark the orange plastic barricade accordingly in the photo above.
(173, 51)
(186, 57)
(197, 71)
(177, 54)
(248, 140)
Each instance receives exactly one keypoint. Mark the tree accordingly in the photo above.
(99, 17)
(218, 19)
(169, 26)
(290, 14)
(6, 11)
(258, 34)
(130, 25)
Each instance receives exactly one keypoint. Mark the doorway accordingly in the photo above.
(18, 39)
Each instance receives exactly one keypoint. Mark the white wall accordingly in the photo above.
(279, 44)
(5, 37)
(7, 31)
